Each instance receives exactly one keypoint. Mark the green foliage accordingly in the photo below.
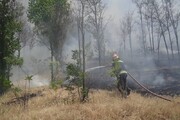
(13, 60)
(29, 77)
(55, 84)
(84, 93)
(75, 56)
(73, 70)
(5, 84)
(40, 10)
(51, 18)
(16, 91)
(9, 42)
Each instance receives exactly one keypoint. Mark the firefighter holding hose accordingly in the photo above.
(119, 71)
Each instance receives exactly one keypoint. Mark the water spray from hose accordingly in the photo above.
(93, 68)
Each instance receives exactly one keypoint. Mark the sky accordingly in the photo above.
(117, 8)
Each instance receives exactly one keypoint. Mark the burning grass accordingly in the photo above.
(105, 105)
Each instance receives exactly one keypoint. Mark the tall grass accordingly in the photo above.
(102, 105)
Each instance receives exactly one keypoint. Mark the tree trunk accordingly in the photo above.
(142, 30)
(159, 41)
(152, 33)
(176, 35)
(124, 45)
(177, 40)
(164, 38)
(97, 35)
(167, 15)
(3, 66)
(83, 50)
(99, 53)
(130, 45)
(171, 42)
(162, 30)
(170, 12)
(149, 33)
(51, 65)
(79, 43)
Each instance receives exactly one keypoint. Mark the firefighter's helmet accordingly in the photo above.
(115, 56)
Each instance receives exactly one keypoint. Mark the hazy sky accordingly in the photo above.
(117, 8)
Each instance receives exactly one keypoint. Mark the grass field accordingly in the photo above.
(101, 105)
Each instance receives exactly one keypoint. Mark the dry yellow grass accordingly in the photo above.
(102, 105)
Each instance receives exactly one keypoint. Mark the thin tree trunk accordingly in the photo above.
(97, 34)
(159, 41)
(3, 66)
(83, 50)
(51, 65)
(79, 42)
(176, 35)
(177, 40)
(171, 43)
(124, 45)
(99, 52)
(164, 38)
(130, 43)
(142, 30)
(168, 28)
(174, 27)
(150, 40)
(162, 32)
(152, 34)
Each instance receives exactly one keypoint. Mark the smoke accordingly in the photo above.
(37, 56)
(144, 68)
(36, 63)
(24, 3)
(36, 60)
(159, 80)
(116, 10)
(39, 81)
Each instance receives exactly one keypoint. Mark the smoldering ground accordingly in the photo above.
(157, 75)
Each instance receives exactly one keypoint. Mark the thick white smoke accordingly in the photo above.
(36, 60)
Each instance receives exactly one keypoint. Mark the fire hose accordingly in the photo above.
(159, 96)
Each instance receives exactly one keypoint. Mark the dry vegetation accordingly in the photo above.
(102, 105)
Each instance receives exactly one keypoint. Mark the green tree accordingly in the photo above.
(51, 18)
(73, 70)
(9, 44)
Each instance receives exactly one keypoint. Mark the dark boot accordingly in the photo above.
(128, 91)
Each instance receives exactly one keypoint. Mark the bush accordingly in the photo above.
(5, 84)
